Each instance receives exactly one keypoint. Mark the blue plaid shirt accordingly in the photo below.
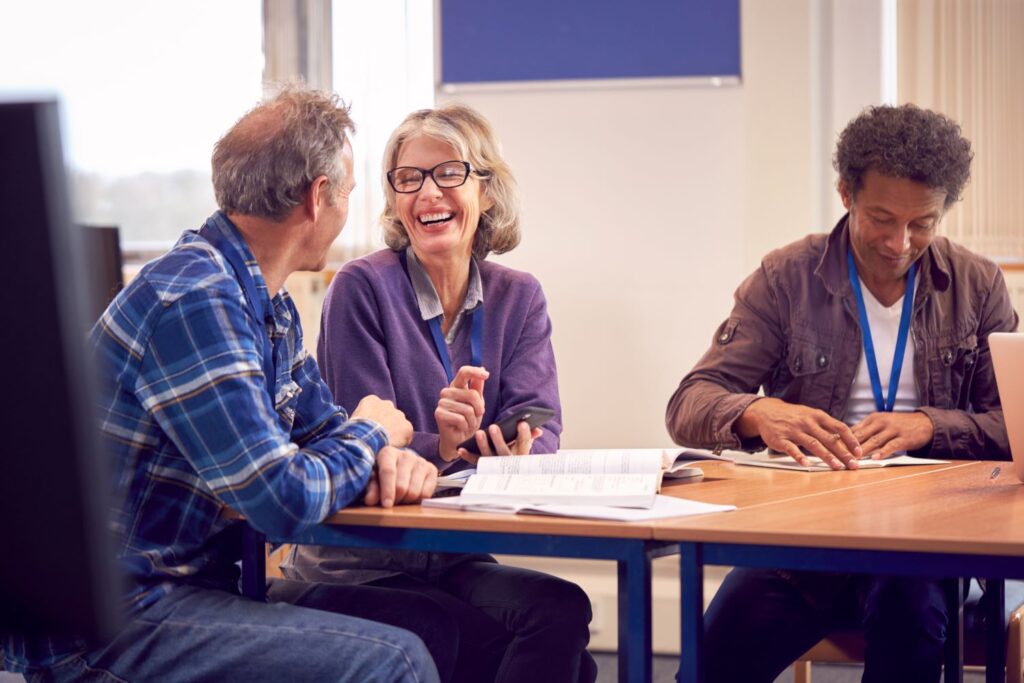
(193, 428)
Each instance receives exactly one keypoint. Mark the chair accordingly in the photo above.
(102, 246)
(848, 646)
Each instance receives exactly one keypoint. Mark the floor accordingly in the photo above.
(665, 672)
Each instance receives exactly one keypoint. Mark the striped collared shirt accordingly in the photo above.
(192, 428)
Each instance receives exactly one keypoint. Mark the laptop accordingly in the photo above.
(1008, 359)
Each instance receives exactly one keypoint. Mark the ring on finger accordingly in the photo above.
(836, 436)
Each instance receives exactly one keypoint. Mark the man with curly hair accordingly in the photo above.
(867, 341)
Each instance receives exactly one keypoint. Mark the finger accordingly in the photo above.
(500, 447)
(867, 428)
(429, 482)
(524, 439)
(847, 444)
(818, 449)
(482, 444)
(386, 474)
(834, 443)
(417, 478)
(372, 496)
(467, 456)
(888, 449)
(469, 397)
(792, 450)
(470, 376)
(403, 474)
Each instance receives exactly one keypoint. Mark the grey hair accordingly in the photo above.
(266, 163)
(472, 136)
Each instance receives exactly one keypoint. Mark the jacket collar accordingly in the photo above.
(933, 266)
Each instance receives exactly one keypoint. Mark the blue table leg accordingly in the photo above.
(254, 564)
(691, 586)
(635, 665)
(953, 658)
(995, 631)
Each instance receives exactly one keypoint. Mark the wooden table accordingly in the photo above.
(630, 545)
(944, 522)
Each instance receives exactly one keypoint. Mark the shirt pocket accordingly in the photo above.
(285, 402)
(810, 363)
(952, 362)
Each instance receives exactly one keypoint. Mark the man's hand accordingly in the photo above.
(400, 476)
(460, 410)
(387, 416)
(787, 427)
(882, 434)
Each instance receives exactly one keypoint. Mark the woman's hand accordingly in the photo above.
(460, 410)
(520, 446)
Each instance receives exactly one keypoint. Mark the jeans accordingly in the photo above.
(508, 624)
(761, 620)
(198, 634)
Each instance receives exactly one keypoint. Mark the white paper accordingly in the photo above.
(785, 462)
(628, 490)
(664, 507)
(605, 461)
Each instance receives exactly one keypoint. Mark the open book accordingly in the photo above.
(624, 478)
(785, 462)
(664, 506)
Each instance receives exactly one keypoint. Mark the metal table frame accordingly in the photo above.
(633, 557)
(952, 566)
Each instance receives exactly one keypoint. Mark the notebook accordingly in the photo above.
(1008, 359)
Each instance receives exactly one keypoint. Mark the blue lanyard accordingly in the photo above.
(252, 296)
(883, 405)
(476, 340)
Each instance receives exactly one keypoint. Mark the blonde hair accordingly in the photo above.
(471, 135)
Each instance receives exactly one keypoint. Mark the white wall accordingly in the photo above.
(645, 207)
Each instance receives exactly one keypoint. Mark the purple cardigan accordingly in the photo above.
(374, 341)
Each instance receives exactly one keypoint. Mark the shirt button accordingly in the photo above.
(947, 356)
(724, 337)
(822, 360)
(798, 364)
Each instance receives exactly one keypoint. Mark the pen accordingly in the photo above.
(995, 473)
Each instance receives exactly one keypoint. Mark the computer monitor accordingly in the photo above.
(106, 267)
(57, 571)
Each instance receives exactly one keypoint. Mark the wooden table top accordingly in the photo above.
(958, 508)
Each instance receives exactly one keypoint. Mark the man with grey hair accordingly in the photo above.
(209, 401)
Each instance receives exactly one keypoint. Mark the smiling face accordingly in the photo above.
(440, 222)
(892, 222)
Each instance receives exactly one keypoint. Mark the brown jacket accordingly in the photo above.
(794, 330)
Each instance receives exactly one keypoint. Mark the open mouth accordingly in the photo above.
(436, 218)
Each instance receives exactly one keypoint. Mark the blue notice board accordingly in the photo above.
(505, 41)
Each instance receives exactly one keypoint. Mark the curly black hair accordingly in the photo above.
(904, 142)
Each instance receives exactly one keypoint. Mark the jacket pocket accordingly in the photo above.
(810, 363)
(952, 363)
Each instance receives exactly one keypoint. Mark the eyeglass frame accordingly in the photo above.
(425, 172)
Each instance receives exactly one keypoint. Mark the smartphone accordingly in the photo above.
(534, 416)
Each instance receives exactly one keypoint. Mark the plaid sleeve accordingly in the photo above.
(202, 381)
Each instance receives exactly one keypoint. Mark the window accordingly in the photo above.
(146, 90)
(384, 67)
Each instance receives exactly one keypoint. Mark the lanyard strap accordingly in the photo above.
(252, 296)
(886, 404)
(476, 340)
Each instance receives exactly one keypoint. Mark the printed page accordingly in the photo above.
(629, 490)
(664, 507)
(785, 462)
(576, 462)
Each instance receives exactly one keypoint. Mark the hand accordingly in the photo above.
(460, 410)
(400, 476)
(882, 434)
(389, 417)
(521, 446)
(786, 427)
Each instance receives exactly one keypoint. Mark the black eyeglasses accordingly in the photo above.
(447, 174)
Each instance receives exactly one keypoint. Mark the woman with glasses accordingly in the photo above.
(457, 342)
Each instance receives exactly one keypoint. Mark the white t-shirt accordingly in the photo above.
(885, 327)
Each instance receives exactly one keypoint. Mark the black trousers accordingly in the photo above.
(480, 620)
(761, 620)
